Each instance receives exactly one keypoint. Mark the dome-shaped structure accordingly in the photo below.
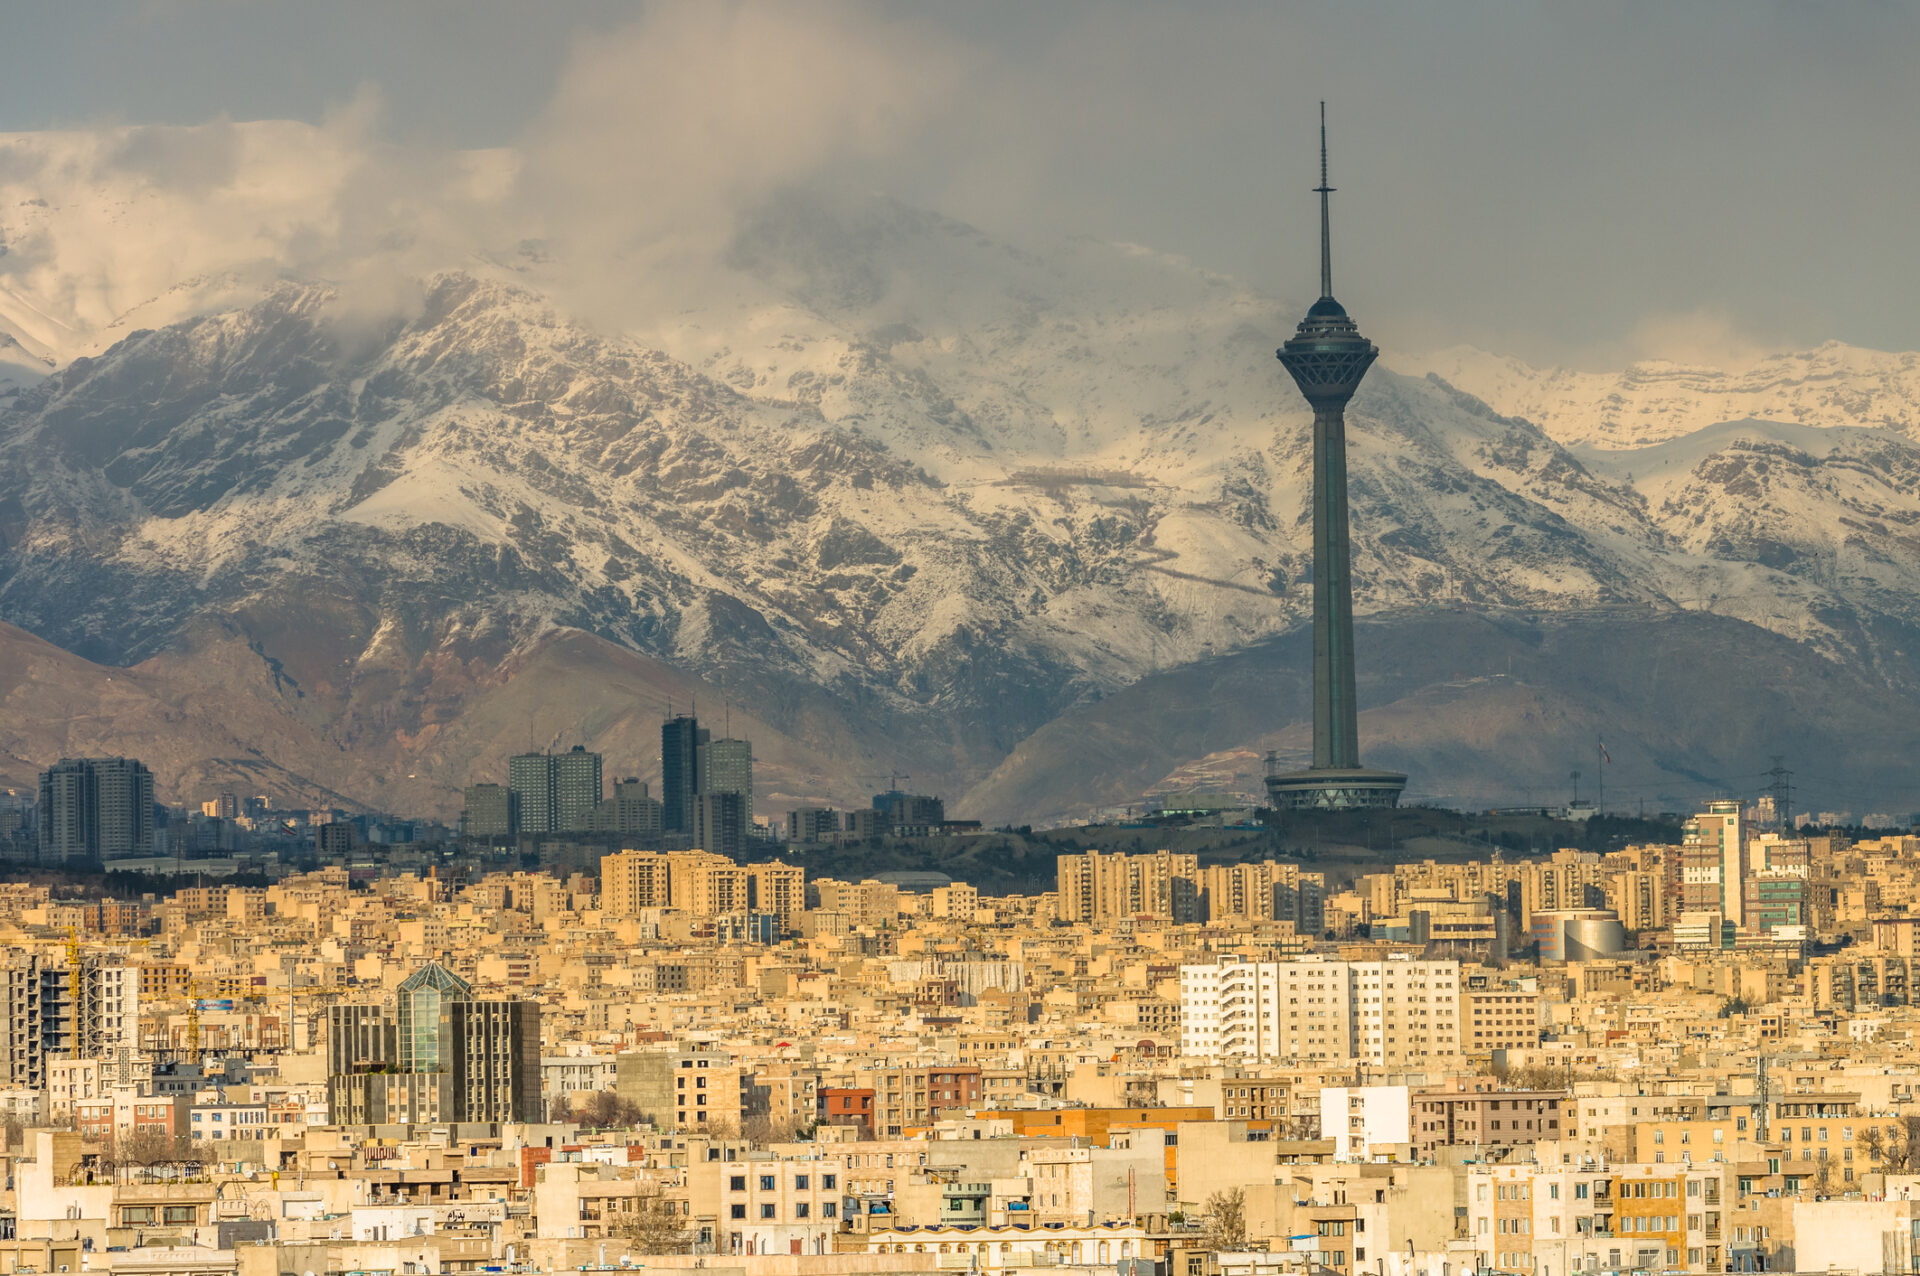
(1326, 308)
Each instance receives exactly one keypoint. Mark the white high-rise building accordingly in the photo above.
(1314, 1008)
(1713, 868)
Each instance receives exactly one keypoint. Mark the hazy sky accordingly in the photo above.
(1581, 181)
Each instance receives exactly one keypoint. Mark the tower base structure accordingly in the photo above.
(1335, 789)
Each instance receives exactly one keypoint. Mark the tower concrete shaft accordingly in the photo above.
(1336, 732)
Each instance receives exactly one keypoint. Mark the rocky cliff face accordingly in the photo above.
(906, 494)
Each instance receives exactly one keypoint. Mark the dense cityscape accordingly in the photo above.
(1693, 1055)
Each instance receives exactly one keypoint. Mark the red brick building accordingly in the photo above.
(845, 1105)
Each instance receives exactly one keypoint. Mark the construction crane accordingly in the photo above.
(76, 983)
(892, 778)
(193, 1018)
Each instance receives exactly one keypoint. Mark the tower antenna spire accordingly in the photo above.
(1326, 225)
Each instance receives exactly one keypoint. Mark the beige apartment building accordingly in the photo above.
(1569, 880)
(631, 881)
(1500, 1018)
(1100, 887)
(700, 883)
(864, 903)
(1639, 898)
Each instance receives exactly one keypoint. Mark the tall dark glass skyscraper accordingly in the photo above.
(681, 739)
(1327, 357)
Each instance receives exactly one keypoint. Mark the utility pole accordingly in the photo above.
(1780, 785)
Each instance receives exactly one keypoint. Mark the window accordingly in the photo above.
(738, 1183)
(829, 1209)
(766, 1182)
(739, 1211)
(801, 1182)
(131, 1214)
(767, 1211)
(829, 1182)
(180, 1214)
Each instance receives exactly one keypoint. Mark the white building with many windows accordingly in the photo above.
(776, 1206)
(1396, 1011)
(1592, 1216)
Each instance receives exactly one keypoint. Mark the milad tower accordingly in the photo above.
(1327, 357)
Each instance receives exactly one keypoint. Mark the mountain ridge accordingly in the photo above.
(912, 494)
(1653, 401)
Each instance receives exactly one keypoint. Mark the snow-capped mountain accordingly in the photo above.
(907, 493)
(1655, 401)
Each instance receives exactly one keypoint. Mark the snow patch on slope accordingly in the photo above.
(1654, 401)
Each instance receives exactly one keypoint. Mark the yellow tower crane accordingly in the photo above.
(193, 1018)
(76, 983)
